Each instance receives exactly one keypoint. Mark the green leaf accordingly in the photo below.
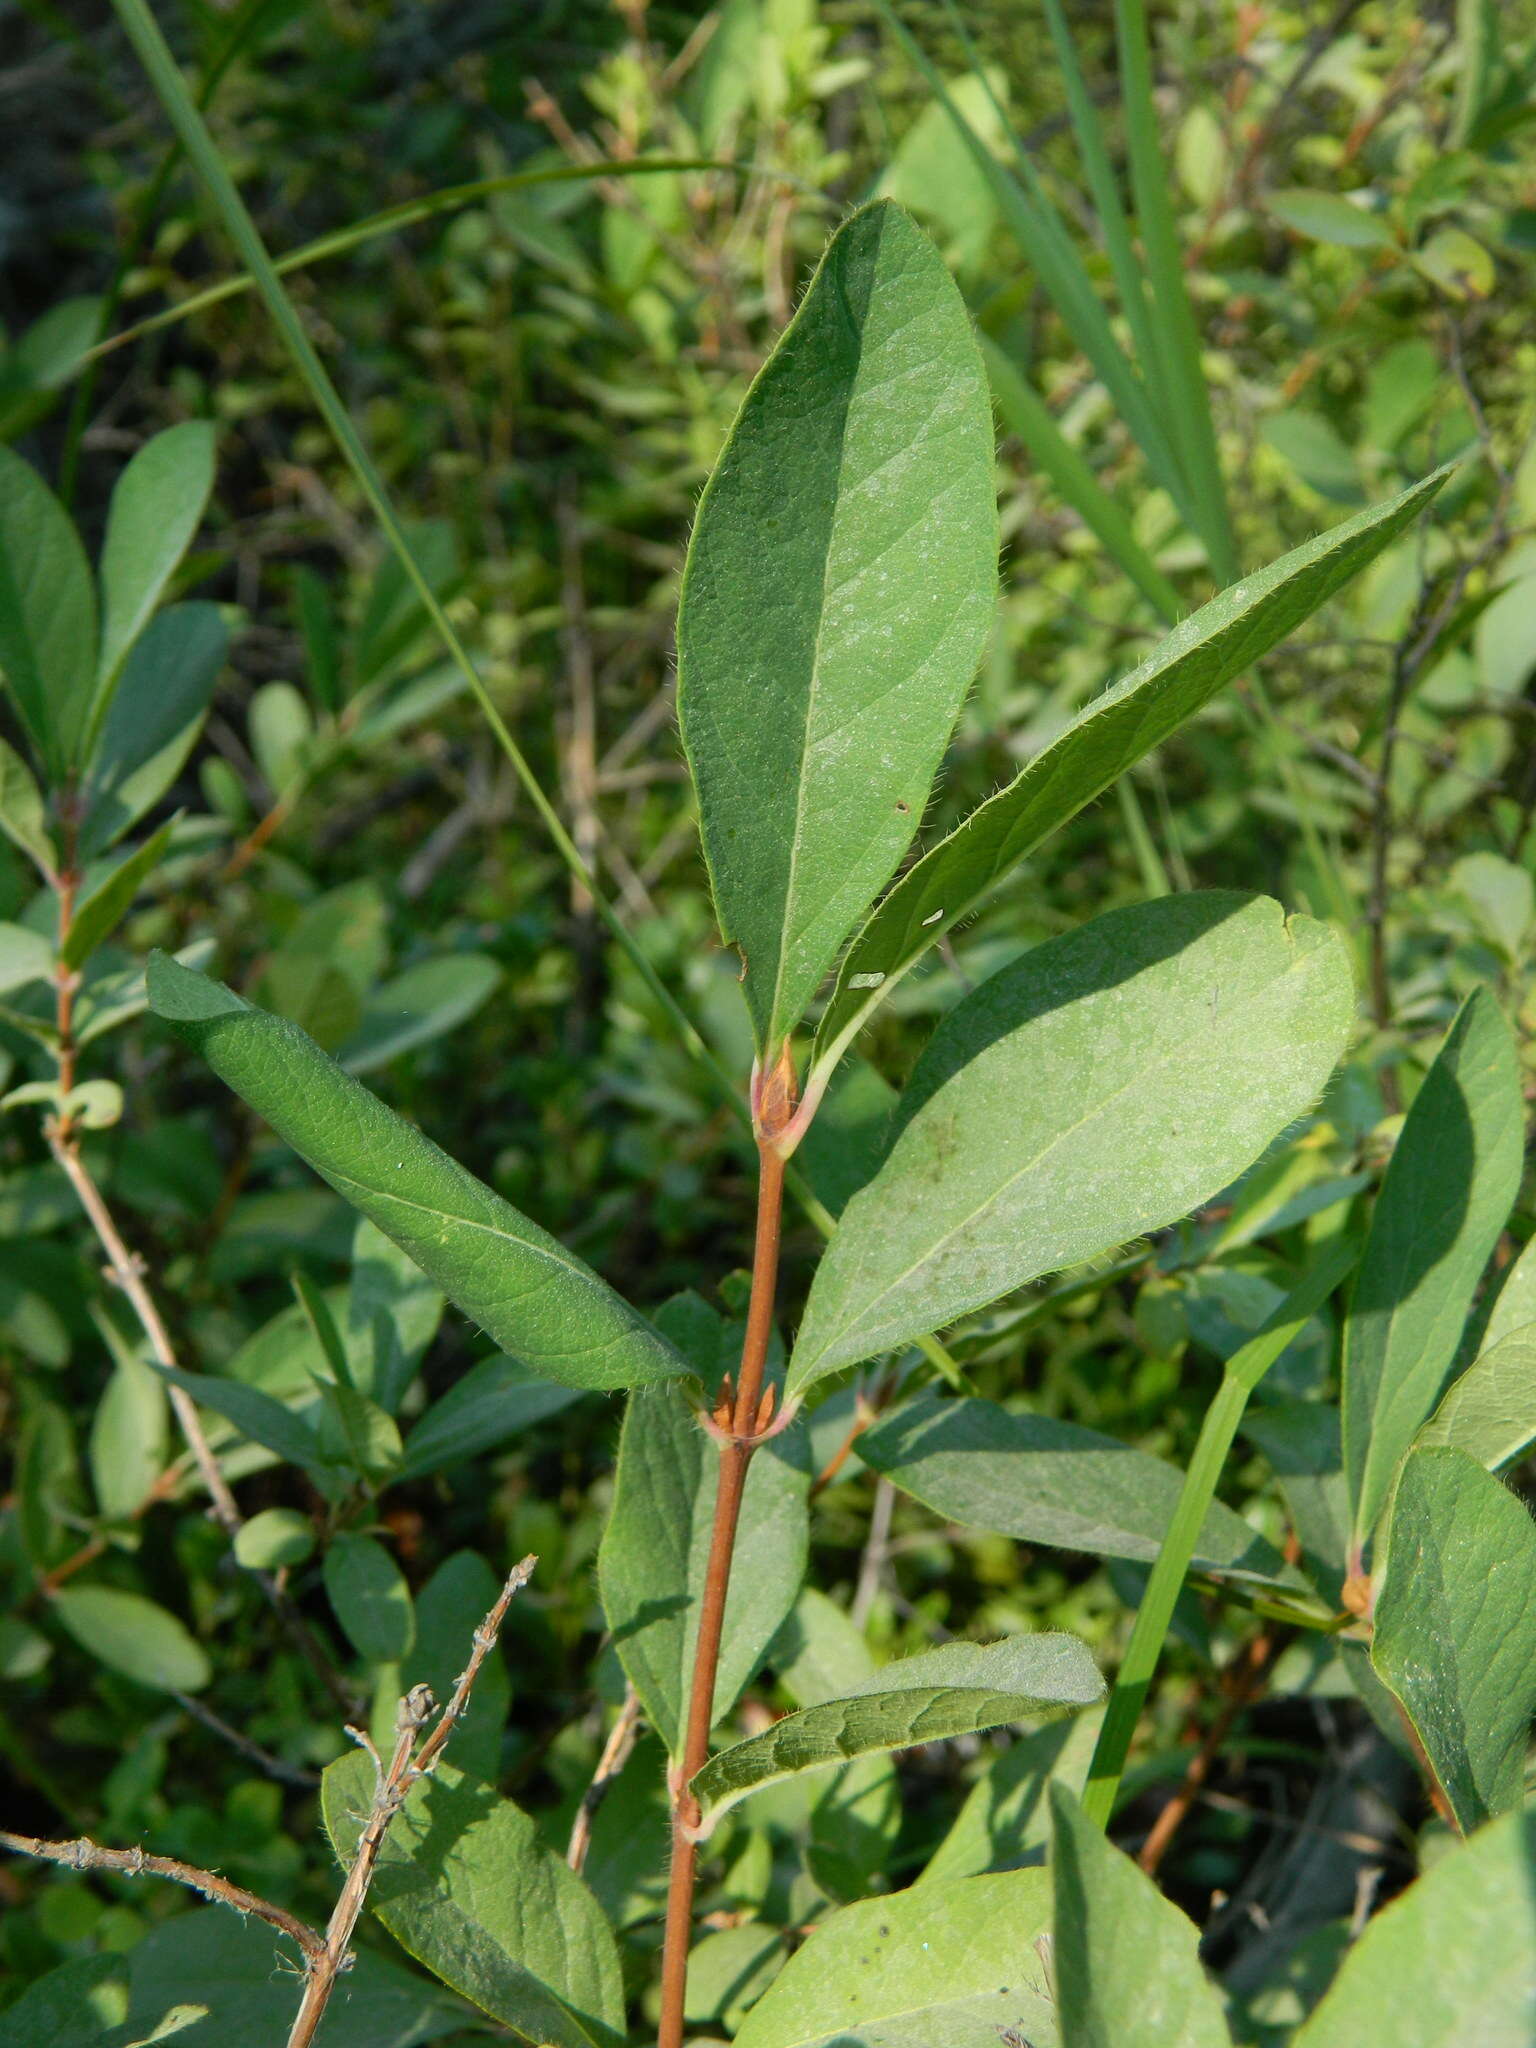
(651, 1566)
(156, 713)
(1444, 1199)
(243, 1973)
(1325, 217)
(1515, 1304)
(855, 1815)
(254, 1414)
(1005, 1821)
(1127, 1963)
(1043, 1481)
(47, 612)
(274, 1538)
(423, 1003)
(467, 1887)
(104, 910)
(23, 819)
(128, 1437)
(357, 1434)
(1197, 659)
(941, 1966)
(450, 1607)
(1451, 1961)
(1490, 1411)
(496, 1399)
(134, 1636)
(1455, 1634)
(1102, 1086)
(838, 590)
(156, 507)
(371, 1599)
(958, 1689)
(393, 1313)
(533, 1296)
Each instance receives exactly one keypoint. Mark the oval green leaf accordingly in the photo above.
(465, 1885)
(536, 1299)
(1040, 1480)
(838, 590)
(370, 1597)
(47, 612)
(134, 1636)
(951, 1964)
(156, 505)
(1102, 1086)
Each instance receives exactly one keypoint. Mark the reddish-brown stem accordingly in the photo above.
(735, 1456)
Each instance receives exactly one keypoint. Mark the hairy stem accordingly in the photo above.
(745, 1423)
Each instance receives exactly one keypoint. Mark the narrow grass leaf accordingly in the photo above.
(959, 1689)
(1455, 1627)
(1104, 1085)
(838, 591)
(1216, 643)
(536, 1299)
(1446, 1194)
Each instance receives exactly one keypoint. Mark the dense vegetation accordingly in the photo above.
(420, 789)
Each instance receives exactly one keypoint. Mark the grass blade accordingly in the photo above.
(1182, 376)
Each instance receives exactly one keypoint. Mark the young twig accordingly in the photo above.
(86, 1855)
(411, 1760)
(616, 1754)
(745, 1414)
(326, 1956)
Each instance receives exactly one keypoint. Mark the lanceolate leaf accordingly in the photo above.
(496, 1399)
(156, 506)
(1127, 1963)
(949, 1965)
(956, 1690)
(838, 590)
(1515, 1306)
(1197, 659)
(155, 714)
(535, 1298)
(1102, 1086)
(1455, 1634)
(465, 1885)
(22, 818)
(651, 1567)
(1451, 1962)
(133, 1635)
(1443, 1201)
(1043, 1481)
(106, 907)
(1490, 1411)
(47, 611)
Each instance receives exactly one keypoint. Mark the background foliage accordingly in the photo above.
(544, 373)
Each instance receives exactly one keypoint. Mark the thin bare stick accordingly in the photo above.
(741, 1420)
(616, 1754)
(274, 1766)
(410, 1761)
(82, 1854)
